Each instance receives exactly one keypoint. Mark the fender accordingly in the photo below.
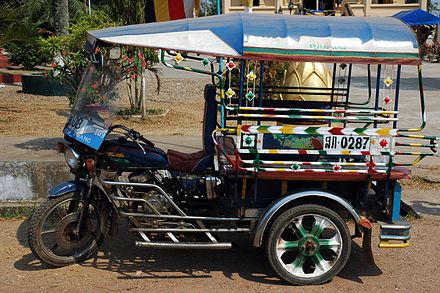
(277, 205)
(72, 185)
(65, 187)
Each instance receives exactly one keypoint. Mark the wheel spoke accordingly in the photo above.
(288, 245)
(299, 228)
(298, 264)
(321, 264)
(318, 227)
(333, 243)
(48, 232)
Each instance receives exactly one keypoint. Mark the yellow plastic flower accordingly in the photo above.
(178, 58)
(230, 93)
(251, 76)
(388, 81)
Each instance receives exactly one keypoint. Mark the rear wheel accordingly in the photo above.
(51, 232)
(308, 244)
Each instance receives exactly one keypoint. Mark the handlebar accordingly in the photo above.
(133, 134)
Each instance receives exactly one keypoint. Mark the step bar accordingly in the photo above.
(394, 234)
(184, 245)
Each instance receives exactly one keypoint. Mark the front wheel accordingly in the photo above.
(52, 236)
(308, 244)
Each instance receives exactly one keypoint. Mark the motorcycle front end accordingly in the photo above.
(72, 223)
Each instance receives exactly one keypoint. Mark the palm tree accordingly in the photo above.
(36, 10)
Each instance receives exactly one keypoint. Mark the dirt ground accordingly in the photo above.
(42, 116)
(120, 266)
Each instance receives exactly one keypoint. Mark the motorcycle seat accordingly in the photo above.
(193, 162)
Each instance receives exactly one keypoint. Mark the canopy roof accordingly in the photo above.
(417, 17)
(275, 37)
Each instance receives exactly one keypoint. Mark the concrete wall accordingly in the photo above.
(30, 180)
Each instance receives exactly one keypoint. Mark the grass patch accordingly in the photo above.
(148, 111)
(16, 212)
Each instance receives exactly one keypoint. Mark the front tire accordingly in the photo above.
(51, 233)
(308, 245)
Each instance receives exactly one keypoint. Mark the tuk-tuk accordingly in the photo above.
(289, 153)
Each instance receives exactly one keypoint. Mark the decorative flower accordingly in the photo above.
(133, 76)
(230, 65)
(388, 81)
(230, 93)
(178, 58)
(336, 168)
(251, 76)
(249, 141)
(387, 100)
(129, 60)
(343, 66)
(295, 167)
(250, 96)
(205, 61)
(341, 80)
(371, 164)
(383, 143)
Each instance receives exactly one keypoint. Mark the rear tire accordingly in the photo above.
(308, 245)
(50, 231)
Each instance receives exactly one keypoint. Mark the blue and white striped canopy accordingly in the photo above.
(372, 40)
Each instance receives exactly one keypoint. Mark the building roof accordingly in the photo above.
(417, 17)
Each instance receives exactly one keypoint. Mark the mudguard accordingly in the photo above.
(277, 205)
(65, 187)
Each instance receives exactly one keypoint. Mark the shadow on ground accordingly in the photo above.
(426, 207)
(118, 255)
(40, 144)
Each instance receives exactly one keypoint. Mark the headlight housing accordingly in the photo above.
(72, 157)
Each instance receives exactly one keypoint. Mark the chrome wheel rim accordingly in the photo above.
(309, 246)
(50, 237)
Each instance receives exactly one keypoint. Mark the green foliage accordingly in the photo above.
(134, 111)
(208, 7)
(71, 58)
(16, 212)
(124, 11)
(29, 54)
(39, 10)
(433, 8)
(8, 15)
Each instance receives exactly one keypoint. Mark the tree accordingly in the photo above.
(433, 7)
(60, 15)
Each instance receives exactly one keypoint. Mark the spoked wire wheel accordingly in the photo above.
(308, 244)
(52, 231)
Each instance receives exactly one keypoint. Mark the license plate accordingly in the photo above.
(346, 142)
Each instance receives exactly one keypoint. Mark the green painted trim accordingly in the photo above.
(254, 50)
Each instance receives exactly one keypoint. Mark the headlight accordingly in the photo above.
(72, 157)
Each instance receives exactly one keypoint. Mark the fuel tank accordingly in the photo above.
(127, 155)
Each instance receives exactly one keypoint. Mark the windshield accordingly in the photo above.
(94, 107)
